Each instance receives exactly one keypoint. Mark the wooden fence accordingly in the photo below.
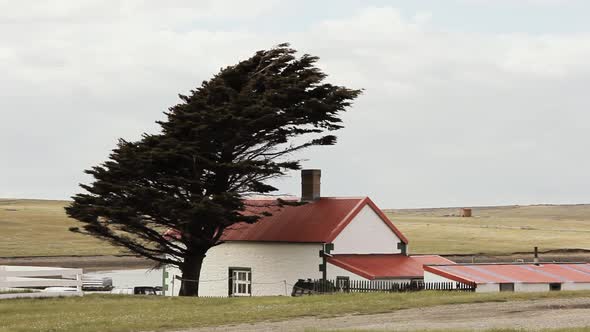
(39, 277)
(319, 286)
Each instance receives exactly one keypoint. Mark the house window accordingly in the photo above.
(240, 281)
(507, 287)
(555, 287)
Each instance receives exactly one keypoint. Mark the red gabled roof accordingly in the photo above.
(386, 266)
(514, 273)
(318, 221)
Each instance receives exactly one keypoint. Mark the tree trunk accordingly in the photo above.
(191, 273)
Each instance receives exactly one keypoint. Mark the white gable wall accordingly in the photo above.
(366, 234)
(274, 265)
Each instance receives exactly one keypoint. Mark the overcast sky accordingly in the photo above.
(467, 102)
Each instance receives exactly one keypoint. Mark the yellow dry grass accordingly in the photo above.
(40, 228)
(495, 230)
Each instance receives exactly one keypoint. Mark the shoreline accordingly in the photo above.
(513, 258)
(88, 263)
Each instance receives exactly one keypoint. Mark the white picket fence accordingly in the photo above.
(40, 277)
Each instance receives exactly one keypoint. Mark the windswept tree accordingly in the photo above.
(223, 142)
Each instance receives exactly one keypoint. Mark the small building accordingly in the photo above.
(466, 212)
(513, 277)
(327, 237)
(398, 268)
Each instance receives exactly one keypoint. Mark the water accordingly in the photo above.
(132, 278)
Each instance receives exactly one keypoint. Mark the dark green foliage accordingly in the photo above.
(223, 142)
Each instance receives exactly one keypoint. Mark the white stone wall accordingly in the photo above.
(488, 288)
(575, 286)
(522, 287)
(275, 267)
(366, 234)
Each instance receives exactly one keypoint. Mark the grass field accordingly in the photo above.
(142, 313)
(40, 228)
(495, 230)
(579, 329)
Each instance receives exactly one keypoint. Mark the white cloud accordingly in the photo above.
(451, 118)
(448, 118)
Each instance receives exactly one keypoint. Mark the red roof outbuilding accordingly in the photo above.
(514, 273)
(386, 266)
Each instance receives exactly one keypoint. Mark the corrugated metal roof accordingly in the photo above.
(318, 221)
(382, 266)
(514, 273)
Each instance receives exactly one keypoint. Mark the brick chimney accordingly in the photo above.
(310, 184)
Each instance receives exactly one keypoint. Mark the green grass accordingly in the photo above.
(495, 230)
(139, 313)
(575, 329)
(40, 228)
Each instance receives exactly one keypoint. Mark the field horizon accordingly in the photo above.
(39, 227)
(422, 208)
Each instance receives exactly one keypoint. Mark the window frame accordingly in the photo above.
(234, 284)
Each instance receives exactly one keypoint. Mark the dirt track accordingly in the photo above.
(529, 315)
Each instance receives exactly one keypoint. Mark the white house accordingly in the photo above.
(329, 237)
(513, 277)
